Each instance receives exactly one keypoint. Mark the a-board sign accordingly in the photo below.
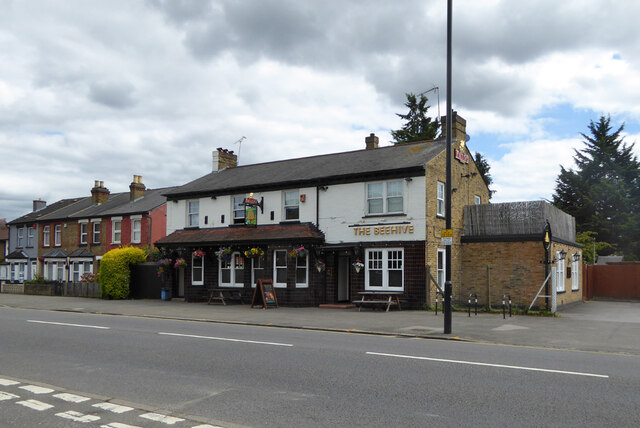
(264, 294)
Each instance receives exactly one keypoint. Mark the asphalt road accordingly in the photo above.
(231, 375)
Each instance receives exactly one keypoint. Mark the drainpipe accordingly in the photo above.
(150, 229)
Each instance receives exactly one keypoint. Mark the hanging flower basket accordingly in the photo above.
(321, 266)
(164, 265)
(254, 253)
(358, 265)
(224, 253)
(180, 263)
(298, 252)
(197, 254)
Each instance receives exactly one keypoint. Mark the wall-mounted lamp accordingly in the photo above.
(408, 179)
(576, 257)
(214, 197)
(175, 201)
(562, 255)
(323, 188)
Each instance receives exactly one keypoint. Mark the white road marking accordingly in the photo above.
(255, 342)
(169, 420)
(207, 426)
(37, 389)
(7, 382)
(113, 407)
(35, 405)
(118, 425)
(78, 417)
(510, 327)
(473, 363)
(70, 325)
(72, 398)
(6, 396)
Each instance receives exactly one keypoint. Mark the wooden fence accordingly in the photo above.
(614, 281)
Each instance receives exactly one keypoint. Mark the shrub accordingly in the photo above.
(115, 271)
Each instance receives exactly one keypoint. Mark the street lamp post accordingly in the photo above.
(447, 285)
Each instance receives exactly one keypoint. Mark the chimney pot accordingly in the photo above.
(223, 158)
(136, 188)
(99, 193)
(371, 141)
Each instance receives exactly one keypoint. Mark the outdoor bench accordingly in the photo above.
(224, 294)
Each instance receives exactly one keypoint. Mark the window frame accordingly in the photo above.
(20, 243)
(57, 235)
(560, 274)
(384, 197)
(575, 275)
(193, 217)
(233, 267)
(84, 232)
(304, 284)
(95, 234)
(384, 260)
(136, 220)
(46, 236)
(477, 199)
(30, 236)
(194, 268)
(261, 261)
(116, 221)
(440, 199)
(234, 209)
(276, 267)
(286, 207)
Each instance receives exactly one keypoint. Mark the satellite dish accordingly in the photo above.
(467, 137)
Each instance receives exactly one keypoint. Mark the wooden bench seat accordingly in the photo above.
(224, 294)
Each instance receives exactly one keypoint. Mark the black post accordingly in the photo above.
(447, 285)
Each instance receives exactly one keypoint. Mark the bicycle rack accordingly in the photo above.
(475, 296)
(504, 299)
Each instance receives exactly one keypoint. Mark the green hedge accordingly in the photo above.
(115, 271)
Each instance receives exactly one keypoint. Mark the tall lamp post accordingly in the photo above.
(447, 284)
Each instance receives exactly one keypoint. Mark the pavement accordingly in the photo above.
(593, 326)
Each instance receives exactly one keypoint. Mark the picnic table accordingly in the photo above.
(381, 298)
(224, 294)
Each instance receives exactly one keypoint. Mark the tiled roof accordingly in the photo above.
(357, 165)
(244, 234)
(55, 254)
(81, 252)
(46, 211)
(17, 254)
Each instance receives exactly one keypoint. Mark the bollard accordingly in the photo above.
(437, 294)
(476, 303)
(504, 299)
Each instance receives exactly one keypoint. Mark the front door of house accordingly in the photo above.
(343, 279)
(181, 282)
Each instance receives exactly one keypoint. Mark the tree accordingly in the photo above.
(603, 192)
(417, 126)
(483, 168)
(592, 248)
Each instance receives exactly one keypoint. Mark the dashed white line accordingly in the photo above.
(226, 339)
(504, 366)
(6, 396)
(78, 417)
(37, 389)
(72, 398)
(7, 382)
(70, 325)
(169, 420)
(207, 426)
(118, 425)
(35, 405)
(115, 408)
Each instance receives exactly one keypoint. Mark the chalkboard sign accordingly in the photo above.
(264, 294)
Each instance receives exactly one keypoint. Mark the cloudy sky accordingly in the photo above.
(102, 90)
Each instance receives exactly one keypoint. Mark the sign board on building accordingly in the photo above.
(265, 293)
(446, 236)
(461, 156)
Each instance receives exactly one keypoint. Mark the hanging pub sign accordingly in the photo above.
(546, 240)
(251, 210)
(461, 156)
(264, 294)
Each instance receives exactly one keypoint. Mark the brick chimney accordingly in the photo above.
(223, 158)
(458, 127)
(136, 188)
(99, 193)
(371, 141)
(39, 204)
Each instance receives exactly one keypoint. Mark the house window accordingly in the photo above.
(116, 230)
(442, 266)
(34, 270)
(440, 199)
(575, 275)
(45, 236)
(76, 271)
(384, 269)
(136, 228)
(257, 270)
(280, 268)
(560, 274)
(232, 271)
(238, 210)
(291, 205)
(477, 199)
(60, 271)
(57, 235)
(385, 197)
(20, 238)
(302, 271)
(83, 233)
(197, 270)
(96, 232)
(31, 232)
(193, 209)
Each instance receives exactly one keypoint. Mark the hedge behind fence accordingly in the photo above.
(115, 272)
